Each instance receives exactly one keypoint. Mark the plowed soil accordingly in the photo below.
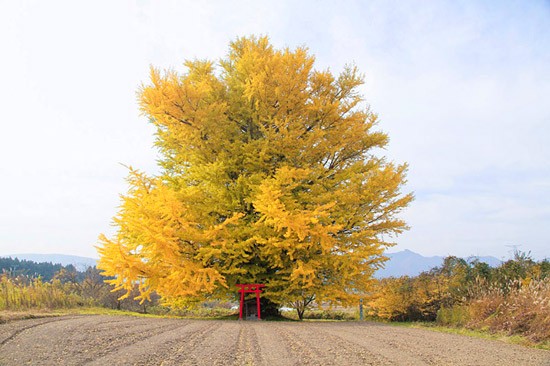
(125, 340)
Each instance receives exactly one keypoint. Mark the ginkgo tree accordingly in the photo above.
(269, 173)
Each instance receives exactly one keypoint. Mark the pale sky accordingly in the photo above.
(461, 87)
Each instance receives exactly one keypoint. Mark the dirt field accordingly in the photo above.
(125, 340)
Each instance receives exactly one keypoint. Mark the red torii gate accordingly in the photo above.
(249, 288)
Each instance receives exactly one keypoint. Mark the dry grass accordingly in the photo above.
(519, 308)
(8, 316)
(17, 294)
(524, 310)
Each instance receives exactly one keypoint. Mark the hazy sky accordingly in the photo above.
(461, 87)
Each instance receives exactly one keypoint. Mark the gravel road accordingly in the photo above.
(125, 340)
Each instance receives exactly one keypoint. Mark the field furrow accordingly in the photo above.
(124, 340)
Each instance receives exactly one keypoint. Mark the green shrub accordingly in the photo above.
(455, 316)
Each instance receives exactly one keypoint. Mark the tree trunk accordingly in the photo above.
(301, 305)
(269, 308)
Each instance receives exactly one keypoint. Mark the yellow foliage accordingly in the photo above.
(268, 176)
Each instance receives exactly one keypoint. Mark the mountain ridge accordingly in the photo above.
(409, 263)
(80, 263)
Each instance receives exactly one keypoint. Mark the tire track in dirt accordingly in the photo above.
(186, 350)
(468, 350)
(370, 353)
(388, 351)
(409, 346)
(100, 339)
(296, 346)
(155, 348)
(404, 343)
(116, 340)
(8, 335)
(200, 343)
(75, 341)
(138, 345)
(248, 350)
(430, 350)
(271, 346)
(326, 349)
(304, 345)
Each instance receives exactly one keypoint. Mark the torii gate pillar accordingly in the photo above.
(250, 288)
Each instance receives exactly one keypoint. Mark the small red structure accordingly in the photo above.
(250, 288)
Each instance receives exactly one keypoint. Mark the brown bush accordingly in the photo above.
(523, 307)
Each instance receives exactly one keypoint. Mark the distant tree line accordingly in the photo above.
(45, 270)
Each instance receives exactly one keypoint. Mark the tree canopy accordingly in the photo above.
(269, 174)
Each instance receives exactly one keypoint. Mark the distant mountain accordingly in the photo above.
(80, 263)
(409, 263)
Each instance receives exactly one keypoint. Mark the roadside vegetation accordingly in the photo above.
(512, 299)
(29, 289)
(25, 285)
